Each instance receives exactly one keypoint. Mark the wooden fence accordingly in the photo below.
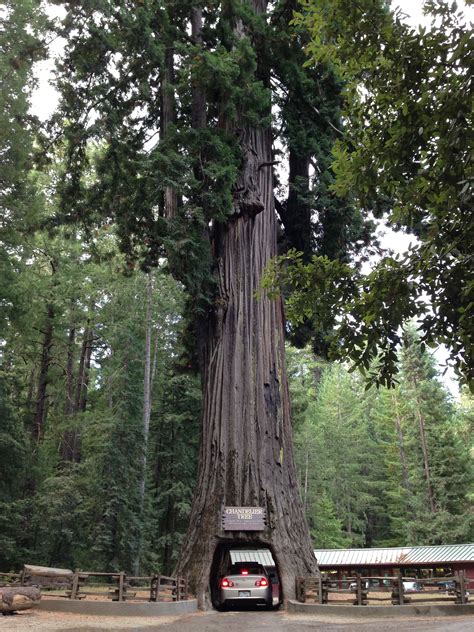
(319, 589)
(116, 586)
(123, 587)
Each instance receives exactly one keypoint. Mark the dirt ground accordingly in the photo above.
(40, 621)
(251, 621)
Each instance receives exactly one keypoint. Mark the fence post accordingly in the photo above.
(461, 585)
(359, 589)
(74, 586)
(175, 590)
(401, 589)
(120, 586)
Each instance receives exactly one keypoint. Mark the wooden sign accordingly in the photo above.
(243, 518)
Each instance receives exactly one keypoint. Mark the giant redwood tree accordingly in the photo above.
(183, 102)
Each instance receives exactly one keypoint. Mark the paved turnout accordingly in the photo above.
(247, 621)
(284, 622)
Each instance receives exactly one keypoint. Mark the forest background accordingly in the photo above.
(100, 405)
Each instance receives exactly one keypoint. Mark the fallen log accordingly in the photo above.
(18, 598)
(46, 576)
(47, 571)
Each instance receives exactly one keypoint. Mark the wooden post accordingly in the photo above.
(462, 586)
(120, 587)
(359, 590)
(320, 590)
(303, 590)
(401, 589)
(74, 585)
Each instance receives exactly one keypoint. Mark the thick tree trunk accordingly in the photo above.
(41, 391)
(246, 455)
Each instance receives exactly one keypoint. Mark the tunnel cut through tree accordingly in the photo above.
(177, 98)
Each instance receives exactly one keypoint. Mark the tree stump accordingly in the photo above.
(18, 598)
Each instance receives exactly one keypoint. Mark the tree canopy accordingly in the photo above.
(405, 157)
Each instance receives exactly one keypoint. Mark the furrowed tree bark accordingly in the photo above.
(41, 391)
(246, 453)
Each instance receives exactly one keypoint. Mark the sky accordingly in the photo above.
(45, 99)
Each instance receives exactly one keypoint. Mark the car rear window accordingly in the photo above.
(252, 568)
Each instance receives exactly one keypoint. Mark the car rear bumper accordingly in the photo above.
(228, 603)
(253, 595)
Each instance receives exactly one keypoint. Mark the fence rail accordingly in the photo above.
(123, 587)
(117, 586)
(318, 589)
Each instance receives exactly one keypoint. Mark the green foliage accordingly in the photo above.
(22, 26)
(425, 402)
(360, 459)
(85, 512)
(406, 153)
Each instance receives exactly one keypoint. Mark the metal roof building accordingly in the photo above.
(454, 557)
(396, 556)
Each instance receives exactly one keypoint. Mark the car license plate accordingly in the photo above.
(244, 593)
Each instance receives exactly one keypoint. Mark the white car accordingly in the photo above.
(246, 583)
(412, 587)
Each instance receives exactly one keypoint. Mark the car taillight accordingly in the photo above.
(244, 572)
(226, 583)
(261, 582)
